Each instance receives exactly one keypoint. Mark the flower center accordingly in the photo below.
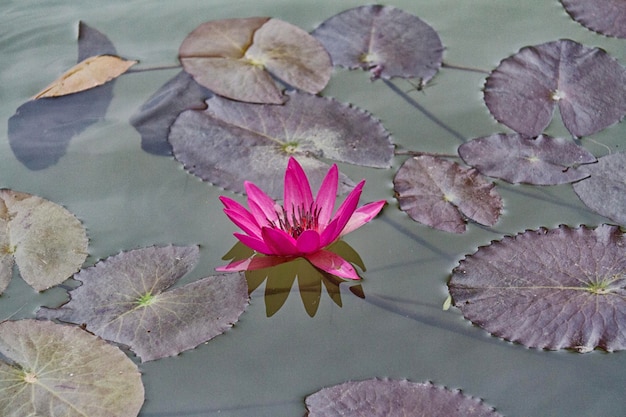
(297, 221)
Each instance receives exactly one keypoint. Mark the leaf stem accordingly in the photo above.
(159, 68)
(462, 68)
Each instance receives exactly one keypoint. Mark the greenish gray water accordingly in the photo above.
(266, 366)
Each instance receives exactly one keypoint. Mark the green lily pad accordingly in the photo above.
(57, 370)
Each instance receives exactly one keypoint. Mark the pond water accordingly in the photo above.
(265, 366)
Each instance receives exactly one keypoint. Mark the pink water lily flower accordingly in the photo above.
(302, 226)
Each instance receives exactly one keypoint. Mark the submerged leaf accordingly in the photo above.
(232, 141)
(87, 74)
(588, 85)
(383, 39)
(518, 159)
(605, 190)
(63, 371)
(124, 299)
(549, 289)
(607, 17)
(236, 58)
(441, 194)
(48, 243)
(393, 398)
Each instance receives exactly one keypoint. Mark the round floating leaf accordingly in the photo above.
(441, 194)
(123, 299)
(47, 242)
(605, 190)
(549, 289)
(383, 39)
(63, 371)
(607, 17)
(87, 74)
(518, 159)
(232, 141)
(588, 85)
(236, 58)
(393, 398)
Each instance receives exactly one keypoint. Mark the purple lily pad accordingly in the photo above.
(442, 194)
(518, 159)
(605, 190)
(124, 299)
(548, 289)
(233, 141)
(384, 40)
(607, 17)
(393, 398)
(588, 85)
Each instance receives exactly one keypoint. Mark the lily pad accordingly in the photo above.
(605, 190)
(385, 40)
(154, 118)
(47, 242)
(58, 370)
(548, 289)
(442, 194)
(587, 84)
(236, 58)
(124, 299)
(393, 398)
(232, 141)
(543, 160)
(607, 17)
(40, 130)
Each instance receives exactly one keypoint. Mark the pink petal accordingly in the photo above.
(279, 242)
(297, 189)
(254, 243)
(326, 196)
(308, 242)
(345, 211)
(333, 264)
(245, 221)
(362, 215)
(253, 263)
(262, 207)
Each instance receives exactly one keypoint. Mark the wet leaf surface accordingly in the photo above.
(58, 370)
(384, 40)
(125, 299)
(587, 84)
(543, 160)
(442, 194)
(607, 17)
(154, 118)
(232, 141)
(393, 398)
(236, 58)
(605, 190)
(549, 289)
(47, 242)
(40, 130)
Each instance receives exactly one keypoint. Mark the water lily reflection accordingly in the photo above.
(280, 277)
(301, 226)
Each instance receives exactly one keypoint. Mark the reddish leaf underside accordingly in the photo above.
(607, 17)
(442, 194)
(549, 289)
(393, 398)
(588, 85)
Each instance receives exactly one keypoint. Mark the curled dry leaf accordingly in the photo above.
(587, 84)
(58, 370)
(543, 160)
(441, 194)
(87, 74)
(125, 299)
(236, 58)
(394, 398)
(549, 289)
(47, 242)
